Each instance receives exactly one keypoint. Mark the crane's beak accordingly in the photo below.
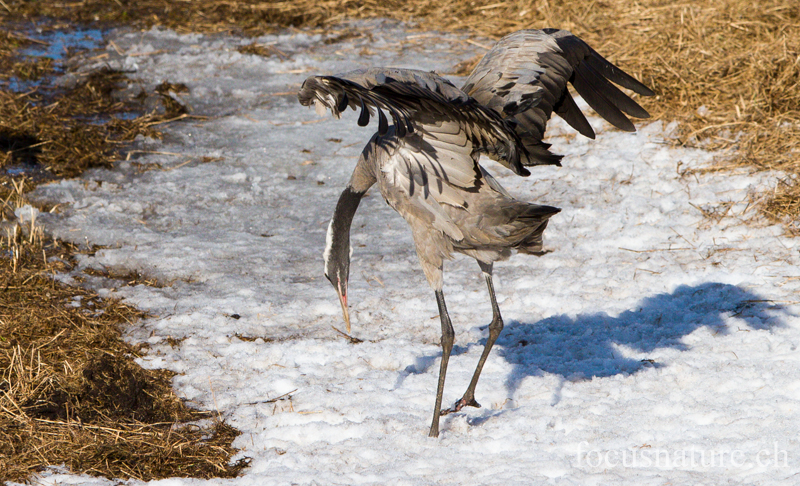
(343, 301)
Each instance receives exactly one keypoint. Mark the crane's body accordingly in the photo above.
(426, 163)
(430, 193)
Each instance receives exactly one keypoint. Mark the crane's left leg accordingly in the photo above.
(496, 326)
(448, 336)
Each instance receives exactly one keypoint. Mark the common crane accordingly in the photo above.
(426, 162)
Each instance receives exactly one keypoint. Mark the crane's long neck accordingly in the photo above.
(337, 244)
(337, 241)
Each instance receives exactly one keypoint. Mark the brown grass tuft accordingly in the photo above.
(785, 200)
(71, 391)
(54, 133)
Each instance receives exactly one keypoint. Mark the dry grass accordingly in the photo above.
(71, 392)
(68, 131)
(24, 68)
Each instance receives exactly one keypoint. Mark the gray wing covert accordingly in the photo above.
(524, 78)
(431, 169)
(433, 176)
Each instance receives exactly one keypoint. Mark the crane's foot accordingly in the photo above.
(464, 402)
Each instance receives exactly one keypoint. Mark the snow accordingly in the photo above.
(653, 345)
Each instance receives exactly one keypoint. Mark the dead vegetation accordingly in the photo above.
(24, 68)
(262, 50)
(52, 131)
(64, 132)
(71, 391)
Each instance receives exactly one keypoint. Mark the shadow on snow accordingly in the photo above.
(586, 346)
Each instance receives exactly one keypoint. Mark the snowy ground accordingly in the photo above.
(652, 346)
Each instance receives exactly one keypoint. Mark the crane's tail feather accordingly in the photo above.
(535, 218)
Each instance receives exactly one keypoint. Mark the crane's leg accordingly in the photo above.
(496, 326)
(447, 346)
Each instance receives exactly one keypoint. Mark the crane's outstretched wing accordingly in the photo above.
(524, 78)
(416, 100)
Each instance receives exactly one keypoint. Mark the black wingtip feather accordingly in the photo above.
(617, 75)
(569, 111)
(363, 117)
(400, 128)
(600, 103)
(399, 125)
(612, 93)
(538, 153)
(343, 102)
(383, 123)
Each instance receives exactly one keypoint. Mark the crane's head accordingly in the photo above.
(337, 262)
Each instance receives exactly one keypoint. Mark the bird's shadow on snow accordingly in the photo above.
(591, 345)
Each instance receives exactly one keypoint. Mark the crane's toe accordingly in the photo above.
(463, 402)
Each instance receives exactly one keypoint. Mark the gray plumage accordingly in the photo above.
(426, 162)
